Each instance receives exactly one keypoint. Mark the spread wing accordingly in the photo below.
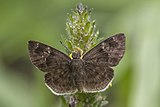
(98, 61)
(109, 51)
(55, 64)
(98, 77)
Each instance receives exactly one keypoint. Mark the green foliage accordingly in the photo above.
(86, 100)
(91, 99)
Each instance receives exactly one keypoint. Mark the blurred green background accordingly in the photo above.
(137, 77)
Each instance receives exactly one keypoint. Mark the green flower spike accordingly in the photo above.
(81, 33)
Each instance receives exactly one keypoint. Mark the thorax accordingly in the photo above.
(76, 64)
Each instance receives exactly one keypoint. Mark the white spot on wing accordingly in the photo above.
(103, 44)
(37, 45)
(48, 50)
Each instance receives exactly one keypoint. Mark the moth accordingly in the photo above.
(91, 72)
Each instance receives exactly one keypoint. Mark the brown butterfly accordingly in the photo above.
(90, 73)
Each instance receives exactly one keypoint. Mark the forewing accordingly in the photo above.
(98, 77)
(109, 51)
(56, 66)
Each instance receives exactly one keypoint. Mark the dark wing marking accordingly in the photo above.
(56, 66)
(109, 51)
(98, 77)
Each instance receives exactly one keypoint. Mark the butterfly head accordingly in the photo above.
(76, 54)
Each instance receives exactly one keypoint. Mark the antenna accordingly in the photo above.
(65, 47)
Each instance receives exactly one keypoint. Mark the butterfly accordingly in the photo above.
(89, 73)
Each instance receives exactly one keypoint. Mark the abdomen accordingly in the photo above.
(78, 73)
